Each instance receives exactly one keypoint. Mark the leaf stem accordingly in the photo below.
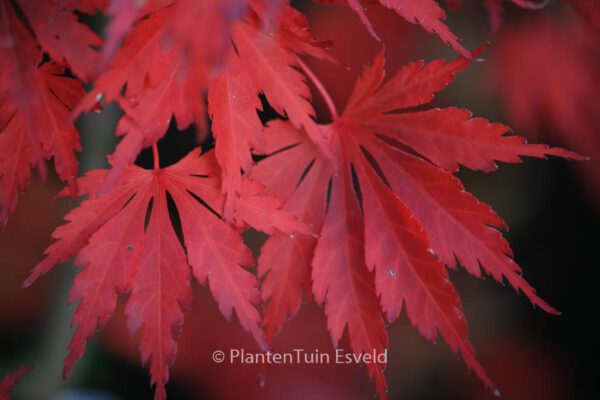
(156, 158)
(320, 88)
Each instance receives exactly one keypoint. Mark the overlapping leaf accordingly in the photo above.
(376, 184)
(259, 64)
(152, 73)
(35, 105)
(165, 71)
(393, 215)
(62, 36)
(51, 133)
(121, 253)
(426, 13)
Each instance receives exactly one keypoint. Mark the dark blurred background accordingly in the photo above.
(551, 206)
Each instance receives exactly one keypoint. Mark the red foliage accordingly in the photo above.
(363, 213)
(415, 215)
(120, 255)
(35, 102)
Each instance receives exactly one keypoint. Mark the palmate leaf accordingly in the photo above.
(376, 184)
(50, 134)
(63, 36)
(426, 13)
(394, 216)
(36, 99)
(161, 72)
(119, 254)
(430, 15)
(260, 63)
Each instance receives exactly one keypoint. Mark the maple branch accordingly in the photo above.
(156, 158)
(320, 88)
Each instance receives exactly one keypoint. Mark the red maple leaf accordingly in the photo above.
(120, 253)
(390, 213)
(259, 63)
(153, 74)
(50, 133)
(63, 36)
(163, 70)
(426, 13)
(430, 15)
(377, 183)
(35, 106)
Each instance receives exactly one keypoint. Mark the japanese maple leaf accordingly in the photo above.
(120, 254)
(48, 131)
(165, 76)
(259, 62)
(426, 13)
(154, 78)
(191, 22)
(62, 36)
(18, 58)
(560, 102)
(11, 380)
(35, 104)
(390, 213)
